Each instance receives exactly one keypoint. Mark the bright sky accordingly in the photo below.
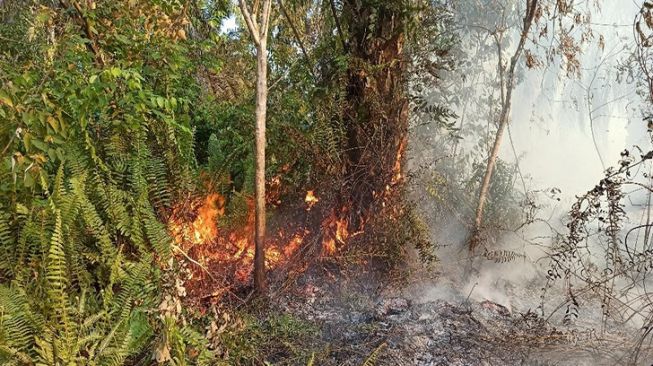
(228, 25)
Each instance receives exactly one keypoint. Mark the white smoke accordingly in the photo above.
(558, 145)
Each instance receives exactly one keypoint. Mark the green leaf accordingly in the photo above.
(5, 99)
(60, 154)
(28, 180)
(160, 102)
(92, 79)
(40, 144)
(27, 140)
(53, 123)
(21, 209)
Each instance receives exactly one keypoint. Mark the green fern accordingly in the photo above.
(17, 329)
(85, 190)
(7, 260)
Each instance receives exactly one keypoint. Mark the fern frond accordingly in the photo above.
(374, 356)
(56, 276)
(17, 329)
(7, 246)
(94, 222)
(156, 232)
(503, 256)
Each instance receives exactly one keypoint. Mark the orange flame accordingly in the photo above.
(336, 231)
(230, 248)
(204, 228)
(310, 200)
(397, 176)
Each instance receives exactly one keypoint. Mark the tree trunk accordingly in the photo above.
(375, 114)
(259, 32)
(261, 110)
(509, 82)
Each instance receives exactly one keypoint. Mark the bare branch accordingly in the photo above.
(251, 23)
(267, 9)
(338, 27)
(296, 33)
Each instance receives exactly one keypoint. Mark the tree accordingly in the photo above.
(507, 83)
(375, 113)
(258, 28)
(570, 28)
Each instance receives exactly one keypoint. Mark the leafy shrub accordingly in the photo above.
(96, 124)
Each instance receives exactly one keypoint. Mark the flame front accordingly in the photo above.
(396, 170)
(233, 248)
(204, 227)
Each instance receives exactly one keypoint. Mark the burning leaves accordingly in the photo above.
(335, 231)
(203, 228)
(227, 251)
(219, 238)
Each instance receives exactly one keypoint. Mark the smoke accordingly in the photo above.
(564, 132)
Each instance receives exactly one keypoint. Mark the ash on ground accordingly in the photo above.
(362, 320)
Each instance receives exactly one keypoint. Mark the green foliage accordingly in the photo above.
(399, 229)
(502, 209)
(280, 337)
(95, 118)
(454, 186)
(107, 110)
(226, 143)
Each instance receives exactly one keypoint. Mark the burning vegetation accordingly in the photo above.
(223, 252)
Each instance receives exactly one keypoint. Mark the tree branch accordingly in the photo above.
(267, 9)
(11, 140)
(251, 24)
(338, 27)
(87, 29)
(296, 33)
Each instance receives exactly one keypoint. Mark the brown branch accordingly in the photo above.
(267, 10)
(503, 120)
(338, 27)
(11, 140)
(251, 24)
(85, 24)
(296, 33)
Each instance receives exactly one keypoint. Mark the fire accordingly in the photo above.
(294, 244)
(311, 200)
(204, 227)
(397, 176)
(335, 231)
(228, 249)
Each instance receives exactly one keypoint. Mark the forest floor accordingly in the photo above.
(368, 316)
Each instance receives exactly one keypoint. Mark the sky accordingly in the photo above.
(228, 25)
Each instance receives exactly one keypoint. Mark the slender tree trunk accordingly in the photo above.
(261, 110)
(509, 81)
(259, 31)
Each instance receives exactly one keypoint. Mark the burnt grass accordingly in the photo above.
(358, 305)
